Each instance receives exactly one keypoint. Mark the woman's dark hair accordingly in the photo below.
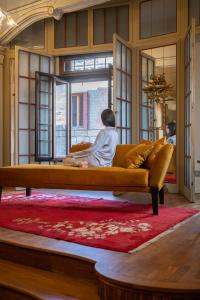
(108, 117)
(172, 128)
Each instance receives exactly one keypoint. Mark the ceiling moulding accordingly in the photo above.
(31, 13)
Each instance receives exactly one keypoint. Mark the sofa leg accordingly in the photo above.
(162, 196)
(28, 192)
(154, 195)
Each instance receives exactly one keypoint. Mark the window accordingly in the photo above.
(72, 30)
(87, 62)
(31, 37)
(194, 10)
(109, 20)
(157, 17)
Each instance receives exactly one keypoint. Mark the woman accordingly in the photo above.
(171, 133)
(102, 151)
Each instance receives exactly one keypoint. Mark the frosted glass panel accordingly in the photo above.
(110, 24)
(123, 17)
(44, 64)
(128, 136)
(23, 90)
(23, 64)
(98, 28)
(32, 91)
(123, 136)
(44, 116)
(34, 64)
(71, 30)
(128, 115)
(32, 116)
(144, 118)
(59, 34)
(145, 19)
(82, 28)
(23, 116)
(23, 142)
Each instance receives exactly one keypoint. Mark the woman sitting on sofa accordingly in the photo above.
(102, 151)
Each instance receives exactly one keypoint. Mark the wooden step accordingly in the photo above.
(31, 283)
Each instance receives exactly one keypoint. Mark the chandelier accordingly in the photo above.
(4, 16)
(157, 89)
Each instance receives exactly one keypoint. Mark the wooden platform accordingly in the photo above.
(34, 267)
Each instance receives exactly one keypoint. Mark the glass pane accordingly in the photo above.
(98, 26)
(32, 91)
(23, 64)
(23, 116)
(31, 37)
(124, 114)
(144, 118)
(34, 64)
(23, 160)
(123, 22)
(44, 114)
(123, 86)
(144, 68)
(32, 141)
(118, 83)
(123, 136)
(23, 142)
(82, 28)
(44, 64)
(118, 114)
(59, 34)
(170, 16)
(110, 23)
(118, 55)
(23, 90)
(123, 58)
(194, 6)
(145, 135)
(129, 88)
(129, 136)
(150, 68)
(129, 115)
(32, 116)
(71, 30)
(61, 120)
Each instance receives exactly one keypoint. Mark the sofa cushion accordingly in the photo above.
(62, 176)
(137, 156)
(156, 146)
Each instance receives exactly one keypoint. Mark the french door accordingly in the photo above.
(27, 63)
(122, 88)
(52, 117)
(189, 115)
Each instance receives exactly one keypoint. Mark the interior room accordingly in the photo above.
(100, 150)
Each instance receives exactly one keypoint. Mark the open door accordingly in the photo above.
(122, 88)
(27, 63)
(52, 101)
(189, 116)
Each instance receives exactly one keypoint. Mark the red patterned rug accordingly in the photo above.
(114, 225)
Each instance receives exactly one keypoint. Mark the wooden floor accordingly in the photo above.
(34, 267)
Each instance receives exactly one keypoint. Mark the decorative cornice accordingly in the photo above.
(29, 14)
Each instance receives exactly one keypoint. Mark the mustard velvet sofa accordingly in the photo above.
(115, 178)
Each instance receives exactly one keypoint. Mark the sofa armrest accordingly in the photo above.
(80, 147)
(160, 166)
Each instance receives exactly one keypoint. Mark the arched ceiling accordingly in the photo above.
(27, 12)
